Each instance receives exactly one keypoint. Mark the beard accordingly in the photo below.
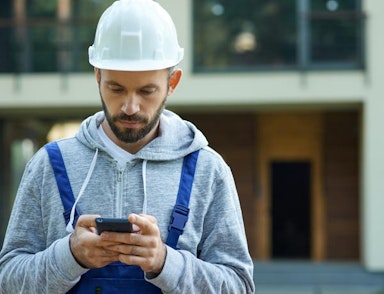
(127, 135)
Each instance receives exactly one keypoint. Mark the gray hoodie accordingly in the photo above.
(213, 255)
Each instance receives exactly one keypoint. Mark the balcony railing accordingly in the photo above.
(45, 45)
(305, 40)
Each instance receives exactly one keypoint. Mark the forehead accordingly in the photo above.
(135, 78)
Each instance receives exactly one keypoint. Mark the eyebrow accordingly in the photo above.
(113, 83)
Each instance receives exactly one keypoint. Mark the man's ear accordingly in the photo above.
(174, 81)
(97, 74)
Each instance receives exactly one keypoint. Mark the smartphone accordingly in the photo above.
(120, 225)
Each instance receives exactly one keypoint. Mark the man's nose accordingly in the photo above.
(131, 105)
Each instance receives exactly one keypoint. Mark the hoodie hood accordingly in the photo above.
(176, 137)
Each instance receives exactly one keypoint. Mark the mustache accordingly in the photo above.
(134, 117)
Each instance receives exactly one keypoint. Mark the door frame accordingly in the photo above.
(294, 137)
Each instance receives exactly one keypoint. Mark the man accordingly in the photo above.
(132, 160)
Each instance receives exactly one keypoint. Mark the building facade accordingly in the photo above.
(291, 93)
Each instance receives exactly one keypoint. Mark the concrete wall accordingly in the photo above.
(373, 141)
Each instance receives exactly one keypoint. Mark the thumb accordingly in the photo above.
(87, 220)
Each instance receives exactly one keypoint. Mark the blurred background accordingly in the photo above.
(290, 92)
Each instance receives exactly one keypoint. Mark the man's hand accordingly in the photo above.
(88, 248)
(144, 248)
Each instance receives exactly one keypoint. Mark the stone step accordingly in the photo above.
(327, 275)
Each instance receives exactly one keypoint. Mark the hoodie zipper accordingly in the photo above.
(119, 208)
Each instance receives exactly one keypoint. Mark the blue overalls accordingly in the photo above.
(118, 277)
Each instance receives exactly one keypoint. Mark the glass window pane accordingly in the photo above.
(86, 14)
(90, 8)
(43, 40)
(244, 34)
(334, 40)
(336, 32)
(6, 49)
(42, 43)
(41, 8)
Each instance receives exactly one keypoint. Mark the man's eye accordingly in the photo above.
(116, 89)
(147, 91)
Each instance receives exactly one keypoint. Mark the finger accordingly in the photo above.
(130, 250)
(88, 248)
(87, 220)
(115, 238)
(133, 259)
(151, 218)
(134, 244)
(149, 261)
(146, 223)
(98, 257)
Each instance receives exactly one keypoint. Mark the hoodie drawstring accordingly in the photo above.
(69, 227)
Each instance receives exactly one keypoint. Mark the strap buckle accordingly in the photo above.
(179, 218)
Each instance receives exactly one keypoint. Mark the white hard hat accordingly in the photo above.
(135, 35)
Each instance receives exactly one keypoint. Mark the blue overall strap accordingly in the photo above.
(180, 212)
(62, 180)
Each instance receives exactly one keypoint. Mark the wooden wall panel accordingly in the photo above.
(329, 140)
(341, 183)
(232, 135)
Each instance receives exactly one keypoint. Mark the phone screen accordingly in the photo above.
(120, 225)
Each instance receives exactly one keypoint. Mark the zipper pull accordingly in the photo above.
(120, 175)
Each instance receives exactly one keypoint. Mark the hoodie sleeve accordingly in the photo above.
(27, 263)
(223, 264)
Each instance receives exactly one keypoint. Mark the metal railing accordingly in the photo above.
(45, 45)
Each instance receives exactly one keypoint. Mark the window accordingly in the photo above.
(6, 55)
(48, 35)
(276, 34)
(335, 34)
(54, 35)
